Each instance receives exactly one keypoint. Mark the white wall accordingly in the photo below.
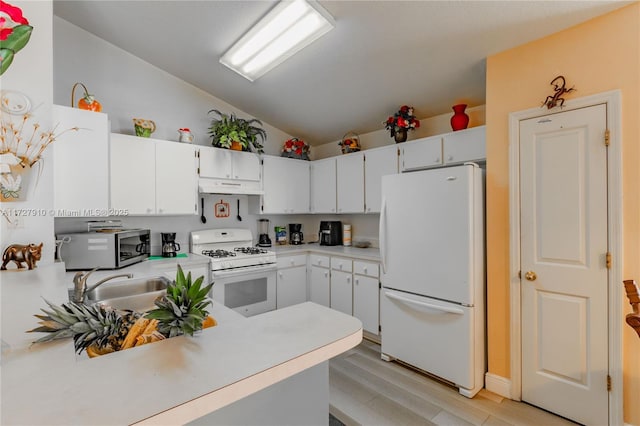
(128, 87)
(428, 127)
(31, 73)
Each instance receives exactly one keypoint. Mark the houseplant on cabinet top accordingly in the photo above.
(229, 131)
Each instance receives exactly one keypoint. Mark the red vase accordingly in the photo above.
(460, 119)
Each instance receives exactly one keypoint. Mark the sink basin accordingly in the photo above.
(134, 294)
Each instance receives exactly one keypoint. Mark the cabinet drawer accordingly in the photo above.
(319, 260)
(291, 261)
(369, 269)
(341, 264)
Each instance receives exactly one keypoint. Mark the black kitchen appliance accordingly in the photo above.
(330, 233)
(295, 233)
(263, 230)
(169, 246)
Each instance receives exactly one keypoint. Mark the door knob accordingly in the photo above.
(530, 276)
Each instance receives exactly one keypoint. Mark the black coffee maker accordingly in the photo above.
(295, 233)
(169, 246)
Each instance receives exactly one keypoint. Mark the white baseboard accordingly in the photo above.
(498, 385)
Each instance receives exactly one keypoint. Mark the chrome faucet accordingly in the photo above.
(80, 284)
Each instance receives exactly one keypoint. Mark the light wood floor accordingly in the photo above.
(364, 390)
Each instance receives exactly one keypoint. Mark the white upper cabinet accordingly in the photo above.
(176, 178)
(286, 185)
(323, 186)
(421, 153)
(150, 176)
(350, 183)
(450, 148)
(245, 165)
(215, 162)
(133, 174)
(465, 145)
(219, 163)
(81, 163)
(378, 162)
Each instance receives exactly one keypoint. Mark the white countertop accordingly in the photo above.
(371, 254)
(172, 381)
(146, 268)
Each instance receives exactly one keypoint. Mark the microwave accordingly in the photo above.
(104, 249)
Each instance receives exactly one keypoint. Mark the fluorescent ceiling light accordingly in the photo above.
(286, 29)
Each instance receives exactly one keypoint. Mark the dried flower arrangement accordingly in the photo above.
(22, 145)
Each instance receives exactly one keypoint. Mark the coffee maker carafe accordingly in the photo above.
(263, 230)
(295, 233)
(169, 246)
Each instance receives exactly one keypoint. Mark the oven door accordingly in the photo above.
(250, 290)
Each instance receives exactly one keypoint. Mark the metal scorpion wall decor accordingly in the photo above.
(559, 87)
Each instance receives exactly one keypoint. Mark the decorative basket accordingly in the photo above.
(350, 142)
(295, 148)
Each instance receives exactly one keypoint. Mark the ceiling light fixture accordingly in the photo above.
(287, 28)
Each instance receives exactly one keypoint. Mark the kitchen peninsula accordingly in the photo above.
(241, 368)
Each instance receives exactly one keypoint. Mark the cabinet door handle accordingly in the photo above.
(437, 160)
(450, 158)
(326, 274)
(280, 274)
(364, 269)
(357, 281)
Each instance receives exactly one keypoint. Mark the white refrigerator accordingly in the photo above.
(433, 276)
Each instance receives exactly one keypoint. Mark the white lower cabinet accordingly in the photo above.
(319, 280)
(366, 295)
(291, 282)
(342, 285)
(342, 291)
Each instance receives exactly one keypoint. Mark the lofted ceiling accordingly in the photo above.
(380, 55)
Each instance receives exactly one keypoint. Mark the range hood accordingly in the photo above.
(229, 186)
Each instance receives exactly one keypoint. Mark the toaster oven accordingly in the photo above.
(104, 249)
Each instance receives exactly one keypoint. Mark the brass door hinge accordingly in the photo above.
(609, 383)
(519, 275)
(607, 137)
(609, 260)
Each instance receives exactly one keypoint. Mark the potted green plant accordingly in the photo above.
(229, 131)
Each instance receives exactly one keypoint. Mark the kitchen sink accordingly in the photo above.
(134, 294)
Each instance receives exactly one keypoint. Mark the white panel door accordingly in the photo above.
(291, 286)
(319, 286)
(342, 292)
(176, 178)
(297, 188)
(464, 145)
(378, 162)
(215, 162)
(428, 232)
(133, 174)
(563, 205)
(245, 165)
(366, 305)
(323, 186)
(350, 183)
(81, 164)
(421, 154)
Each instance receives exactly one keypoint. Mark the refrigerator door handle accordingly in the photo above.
(424, 305)
(382, 235)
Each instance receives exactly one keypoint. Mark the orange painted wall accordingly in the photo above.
(597, 56)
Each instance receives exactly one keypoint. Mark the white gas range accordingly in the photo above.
(244, 276)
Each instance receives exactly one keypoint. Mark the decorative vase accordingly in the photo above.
(400, 135)
(460, 119)
(15, 184)
(236, 146)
